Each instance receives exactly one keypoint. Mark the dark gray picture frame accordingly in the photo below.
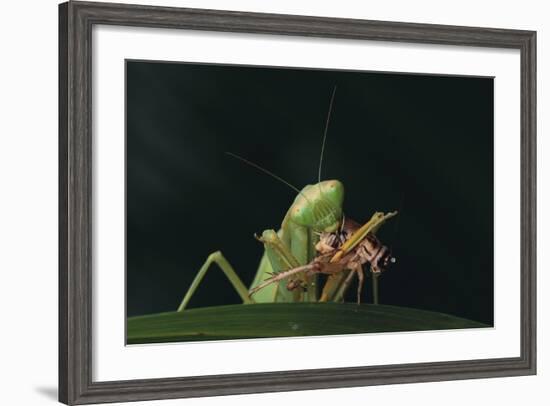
(76, 20)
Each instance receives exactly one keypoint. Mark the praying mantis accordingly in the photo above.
(314, 238)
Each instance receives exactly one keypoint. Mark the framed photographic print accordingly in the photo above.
(237, 187)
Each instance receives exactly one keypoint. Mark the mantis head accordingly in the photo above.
(319, 206)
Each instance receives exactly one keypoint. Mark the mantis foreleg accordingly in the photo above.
(227, 270)
(279, 258)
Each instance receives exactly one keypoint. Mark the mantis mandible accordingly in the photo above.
(294, 255)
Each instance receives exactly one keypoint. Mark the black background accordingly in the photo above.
(419, 144)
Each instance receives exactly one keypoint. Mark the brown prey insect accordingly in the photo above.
(341, 255)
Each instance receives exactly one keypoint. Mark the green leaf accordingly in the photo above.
(284, 320)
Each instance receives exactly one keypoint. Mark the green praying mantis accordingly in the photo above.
(315, 238)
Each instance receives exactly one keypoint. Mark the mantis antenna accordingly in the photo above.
(325, 134)
(323, 147)
(246, 161)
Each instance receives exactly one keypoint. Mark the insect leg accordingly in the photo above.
(344, 280)
(334, 287)
(302, 245)
(280, 259)
(361, 278)
(228, 271)
(375, 276)
(279, 277)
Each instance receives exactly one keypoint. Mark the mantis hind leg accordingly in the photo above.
(217, 258)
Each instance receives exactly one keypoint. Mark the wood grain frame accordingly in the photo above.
(76, 20)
